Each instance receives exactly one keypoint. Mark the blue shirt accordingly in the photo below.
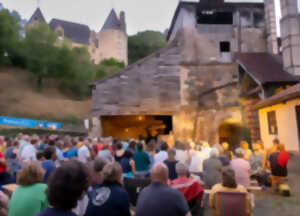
(49, 167)
(108, 199)
(55, 212)
(71, 153)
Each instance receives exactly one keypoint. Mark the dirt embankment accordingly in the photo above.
(18, 97)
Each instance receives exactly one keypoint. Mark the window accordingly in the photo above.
(224, 46)
(219, 18)
(272, 123)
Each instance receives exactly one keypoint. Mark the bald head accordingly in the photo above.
(159, 173)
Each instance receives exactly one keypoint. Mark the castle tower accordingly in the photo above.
(290, 36)
(271, 28)
(112, 39)
(36, 18)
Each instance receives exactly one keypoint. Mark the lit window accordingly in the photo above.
(272, 122)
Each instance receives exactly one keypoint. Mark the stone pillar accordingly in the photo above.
(271, 29)
(97, 127)
(290, 36)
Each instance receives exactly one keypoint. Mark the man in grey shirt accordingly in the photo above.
(160, 200)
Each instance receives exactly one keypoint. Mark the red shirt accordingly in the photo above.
(2, 166)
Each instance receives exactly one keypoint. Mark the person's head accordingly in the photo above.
(164, 146)
(225, 146)
(34, 142)
(244, 145)
(50, 153)
(261, 144)
(20, 136)
(276, 142)
(159, 173)
(171, 154)
(228, 178)
(140, 147)
(240, 153)
(112, 172)
(132, 144)
(119, 146)
(67, 185)
(97, 168)
(151, 145)
(80, 139)
(16, 144)
(182, 170)
(31, 173)
(281, 147)
(256, 147)
(214, 153)
(40, 156)
(128, 154)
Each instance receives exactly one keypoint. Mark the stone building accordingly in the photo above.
(221, 59)
(109, 42)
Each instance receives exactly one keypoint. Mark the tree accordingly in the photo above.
(108, 67)
(143, 44)
(9, 36)
(41, 52)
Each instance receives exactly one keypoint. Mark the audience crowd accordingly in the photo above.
(77, 176)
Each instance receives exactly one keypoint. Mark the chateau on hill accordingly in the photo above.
(109, 42)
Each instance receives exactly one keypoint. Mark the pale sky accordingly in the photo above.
(140, 14)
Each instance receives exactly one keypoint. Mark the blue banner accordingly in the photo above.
(29, 123)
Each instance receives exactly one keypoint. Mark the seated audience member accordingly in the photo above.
(29, 151)
(104, 153)
(128, 165)
(273, 149)
(262, 150)
(4, 175)
(119, 153)
(132, 146)
(151, 151)
(49, 164)
(162, 155)
(212, 169)
(171, 163)
(3, 204)
(241, 168)
(158, 199)
(142, 161)
(109, 198)
(256, 163)
(226, 151)
(84, 154)
(196, 164)
(181, 153)
(247, 152)
(66, 186)
(189, 187)
(278, 163)
(29, 198)
(13, 160)
(97, 167)
(228, 185)
(71, 151)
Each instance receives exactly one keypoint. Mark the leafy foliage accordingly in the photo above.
(108, 67)
(143, 44)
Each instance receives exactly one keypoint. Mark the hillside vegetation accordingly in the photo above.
(19, 98)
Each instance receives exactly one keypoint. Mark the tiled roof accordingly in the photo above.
(112, 21)
(265, 68)
(285, 95)
(37, 15)
(76, 32)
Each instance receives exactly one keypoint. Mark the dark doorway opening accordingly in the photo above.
(136, 126)
(212, 17)
(232, 133)
(224, 46)
(298, 123)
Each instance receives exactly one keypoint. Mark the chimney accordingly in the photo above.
(123, 21)
(290, 36)
(271, 28)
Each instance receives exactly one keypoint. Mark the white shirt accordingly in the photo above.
(28, 153)
(196, 162)
(160, 156)
(181, 155)
(83, 154)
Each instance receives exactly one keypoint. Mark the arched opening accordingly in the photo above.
(233, 133)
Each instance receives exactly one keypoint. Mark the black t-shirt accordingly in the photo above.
(160, 200)
(172, 169)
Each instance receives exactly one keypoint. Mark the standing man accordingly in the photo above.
(160, 200)
(84, 154)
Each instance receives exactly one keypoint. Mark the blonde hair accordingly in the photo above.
(281, 147)
(31, 173)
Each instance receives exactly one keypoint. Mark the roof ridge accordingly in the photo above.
(66, 21)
